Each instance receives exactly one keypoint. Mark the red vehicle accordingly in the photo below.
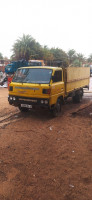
(9, 79)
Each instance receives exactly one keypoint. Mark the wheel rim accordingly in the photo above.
(57, 109)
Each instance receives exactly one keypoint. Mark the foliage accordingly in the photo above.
(81, 57)
(77, 63)
(25, 48)
(76, 59)
(71, 55)
(60, 56)
(89, 58)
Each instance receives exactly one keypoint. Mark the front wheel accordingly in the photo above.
(22, 109)
(57, 108)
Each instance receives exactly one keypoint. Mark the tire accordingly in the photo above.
(23, 109)
(57, 109)
(77, 98)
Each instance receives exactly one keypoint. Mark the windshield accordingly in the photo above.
(33, 75)
(8, 67)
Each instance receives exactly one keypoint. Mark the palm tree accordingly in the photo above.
(71, 55)
(81, 57)
(24, 47)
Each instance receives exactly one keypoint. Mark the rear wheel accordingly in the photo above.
(77, 98)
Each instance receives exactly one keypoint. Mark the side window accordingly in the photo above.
(57, 76)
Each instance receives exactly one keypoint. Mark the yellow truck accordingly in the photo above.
(47, 87)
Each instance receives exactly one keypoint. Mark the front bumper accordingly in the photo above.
(17, 101)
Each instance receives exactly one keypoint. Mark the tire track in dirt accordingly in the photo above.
(7, 119)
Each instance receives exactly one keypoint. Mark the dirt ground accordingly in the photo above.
(45, 158)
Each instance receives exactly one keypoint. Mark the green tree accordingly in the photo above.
(89, 59)
(81, 57)
(77, 63)
(47, 55)
(25, 48)
(59, 56)
(79, 60)
(71, 55)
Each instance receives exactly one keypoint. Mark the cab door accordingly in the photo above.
(57, 88)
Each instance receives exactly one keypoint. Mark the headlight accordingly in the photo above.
(14, 98)
(46, 101)
(10, 98)
(42, 101)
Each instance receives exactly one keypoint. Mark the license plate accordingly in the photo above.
(26, 106)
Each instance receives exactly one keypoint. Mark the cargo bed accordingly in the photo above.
(76, 77)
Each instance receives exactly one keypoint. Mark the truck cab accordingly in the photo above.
(36, 86)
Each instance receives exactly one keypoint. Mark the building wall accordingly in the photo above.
(3, 63)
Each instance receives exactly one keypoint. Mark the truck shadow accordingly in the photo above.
(39, 114)
(46, 115)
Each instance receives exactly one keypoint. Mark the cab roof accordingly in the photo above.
(43, 67)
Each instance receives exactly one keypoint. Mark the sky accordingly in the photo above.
(64, 24)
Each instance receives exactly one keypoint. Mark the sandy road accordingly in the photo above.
(43, 157)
